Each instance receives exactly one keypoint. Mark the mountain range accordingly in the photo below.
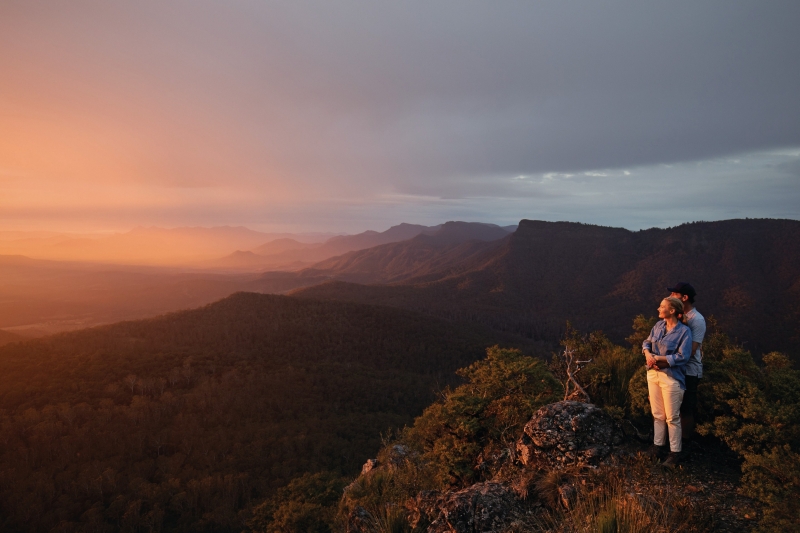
(528, 283)
(746, 272)
(39, 296)
(288, 254)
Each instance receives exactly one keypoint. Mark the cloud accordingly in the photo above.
(249, 110)
(550, 176)
(790, 167)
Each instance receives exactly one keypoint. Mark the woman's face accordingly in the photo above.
(665, 310)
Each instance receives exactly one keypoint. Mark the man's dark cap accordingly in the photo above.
(683, 288)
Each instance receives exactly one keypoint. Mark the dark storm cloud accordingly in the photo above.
(433, 90)
(448, 100)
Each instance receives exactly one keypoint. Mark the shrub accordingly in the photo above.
(474, 426)
(756, 412)
(607, 378)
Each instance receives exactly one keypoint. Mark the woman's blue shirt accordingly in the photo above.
(675, 345)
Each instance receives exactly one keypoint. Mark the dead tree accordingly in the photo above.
(574, 366)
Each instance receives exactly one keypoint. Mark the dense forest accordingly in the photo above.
(184, 422)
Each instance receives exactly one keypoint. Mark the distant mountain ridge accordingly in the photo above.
(452, 244)
(436, 250)
(287, 255)
(40, 296)
(747, 273)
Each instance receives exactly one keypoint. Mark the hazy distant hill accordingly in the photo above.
(747, 273)
(41, 297)
(452, 245)
(286, 254)
(281, 245)
(452, 232)
(435, 250)
(143, 246)
(342, 244)
(179, 422)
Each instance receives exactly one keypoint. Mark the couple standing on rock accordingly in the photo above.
(674, 366)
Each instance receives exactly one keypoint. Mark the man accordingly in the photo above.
(694, 367)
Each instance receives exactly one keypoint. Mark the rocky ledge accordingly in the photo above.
(558, 435)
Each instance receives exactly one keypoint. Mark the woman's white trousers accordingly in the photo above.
(666, 396)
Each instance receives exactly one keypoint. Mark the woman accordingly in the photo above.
(666, 351)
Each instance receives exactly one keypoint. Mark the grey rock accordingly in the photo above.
(482, 508)
(568, 433)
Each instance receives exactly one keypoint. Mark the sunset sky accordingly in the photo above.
(346, 116)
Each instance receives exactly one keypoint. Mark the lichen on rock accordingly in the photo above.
(481, 508)
(568, 433)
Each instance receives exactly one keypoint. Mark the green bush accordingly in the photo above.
(466, 433)
(756, 412)
(608, 378)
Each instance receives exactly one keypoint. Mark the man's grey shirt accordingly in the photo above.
(696, 323)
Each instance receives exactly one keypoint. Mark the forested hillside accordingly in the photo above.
(183, 421)
(747, 274)
(39, 297)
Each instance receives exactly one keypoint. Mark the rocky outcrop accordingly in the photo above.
(568, 433)
(558, 435)
(482, 508)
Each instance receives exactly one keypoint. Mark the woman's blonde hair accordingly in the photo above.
(677, 305)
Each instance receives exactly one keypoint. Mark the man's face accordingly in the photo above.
(679, 296)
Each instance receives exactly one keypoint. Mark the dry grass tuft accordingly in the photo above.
(634, 498)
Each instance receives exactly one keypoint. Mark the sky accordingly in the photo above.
(346, 116)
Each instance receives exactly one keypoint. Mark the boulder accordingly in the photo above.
(482, 508)
(568, 433)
